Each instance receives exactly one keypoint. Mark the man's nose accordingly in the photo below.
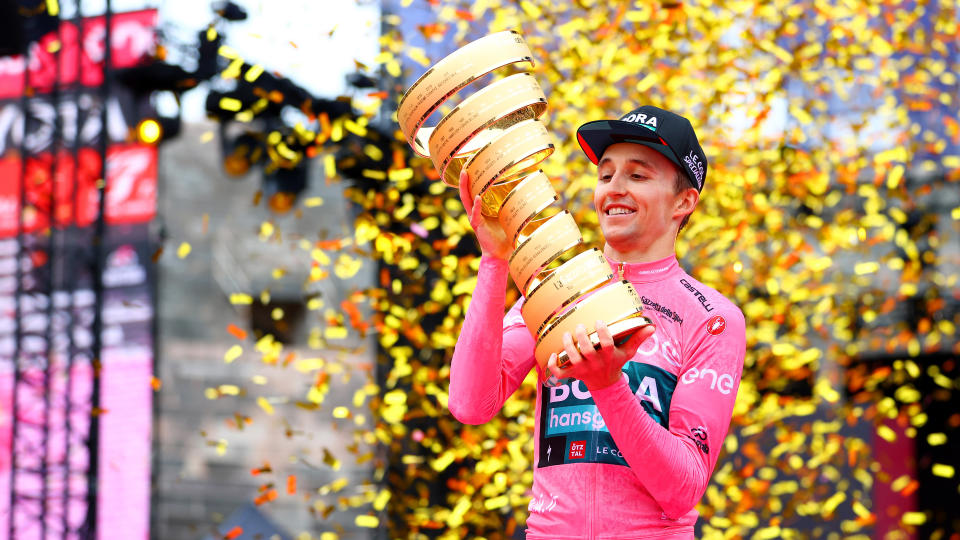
(618, 183)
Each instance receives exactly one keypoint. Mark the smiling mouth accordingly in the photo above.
(619, 211)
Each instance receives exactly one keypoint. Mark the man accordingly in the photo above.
(625, 448)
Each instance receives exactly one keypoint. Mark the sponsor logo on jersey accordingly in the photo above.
(667, 350)
(655, 306)
(578, 449)
(542, 504)
(699, 438)
(721, 383)
(697, 294)
(716, 325)
(608, 450)
(572, 429)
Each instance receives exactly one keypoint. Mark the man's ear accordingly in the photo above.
(686, 201)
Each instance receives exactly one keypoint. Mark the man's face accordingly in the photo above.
(635, 198)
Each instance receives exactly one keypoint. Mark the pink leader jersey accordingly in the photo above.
(630, 460)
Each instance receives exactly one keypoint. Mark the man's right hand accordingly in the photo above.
(493, 240)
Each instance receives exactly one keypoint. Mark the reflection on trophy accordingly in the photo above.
(495, 135)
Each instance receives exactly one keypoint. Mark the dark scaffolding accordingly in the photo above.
(56, 345)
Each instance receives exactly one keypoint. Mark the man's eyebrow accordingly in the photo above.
(636, 161)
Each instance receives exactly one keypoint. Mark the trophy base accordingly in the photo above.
(621, 330)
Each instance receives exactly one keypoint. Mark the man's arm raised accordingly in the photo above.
(490, 359)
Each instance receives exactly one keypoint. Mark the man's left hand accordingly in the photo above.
(597, 368)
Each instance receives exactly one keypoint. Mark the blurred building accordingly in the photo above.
(206, 448)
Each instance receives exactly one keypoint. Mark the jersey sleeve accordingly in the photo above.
(674, 464)
(494, 352)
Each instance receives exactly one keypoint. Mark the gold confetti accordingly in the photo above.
(369, 522)
(240, 299)
(232, 353)
(826, 130)
(264, 404)
(914, 518)
(331, 461)
(942, 470)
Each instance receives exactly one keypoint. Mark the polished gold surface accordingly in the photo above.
(613, 303)
(488, 113)
(551, 238)
(496, 137)
(516, 152)
(621, 331)
(524, 202)
(451, 74)
(563, 285)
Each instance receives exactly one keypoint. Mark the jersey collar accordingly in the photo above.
(646, 272)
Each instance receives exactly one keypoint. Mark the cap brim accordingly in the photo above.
(594, 138)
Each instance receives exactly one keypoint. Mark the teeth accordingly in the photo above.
(615, 211)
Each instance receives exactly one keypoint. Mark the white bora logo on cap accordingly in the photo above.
(641, 118)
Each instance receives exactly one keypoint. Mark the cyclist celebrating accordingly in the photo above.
(626, 445)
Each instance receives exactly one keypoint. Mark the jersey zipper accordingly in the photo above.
(620, 270)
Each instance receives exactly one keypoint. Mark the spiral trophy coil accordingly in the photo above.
(495, 135)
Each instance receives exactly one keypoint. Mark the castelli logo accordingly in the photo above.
(715, 325)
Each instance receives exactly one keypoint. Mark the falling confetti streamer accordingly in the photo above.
(831, 132)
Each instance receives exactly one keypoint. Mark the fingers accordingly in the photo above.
(583, 342)
(553, 371)
(476, 214)
(604, 335)
(468, 202)
(573, 354)
(641, 335)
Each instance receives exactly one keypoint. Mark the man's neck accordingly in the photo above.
(662, 249)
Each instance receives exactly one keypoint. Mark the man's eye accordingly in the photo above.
(638, 176)
(606, 177)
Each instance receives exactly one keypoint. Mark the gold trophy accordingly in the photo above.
(496, 136)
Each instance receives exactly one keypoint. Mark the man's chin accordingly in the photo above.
(623, 241)
(623, 232)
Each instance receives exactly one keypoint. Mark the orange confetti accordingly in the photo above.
(432, 31)
(236, 331)
(329, 244)
(910, 488)
(234, 532)
(604, 30)
(356, 318)
(291, 485)
(264, 469)
(268, 496)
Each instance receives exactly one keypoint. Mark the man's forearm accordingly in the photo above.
(476, 374)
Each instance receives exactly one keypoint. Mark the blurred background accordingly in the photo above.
(229, 292)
